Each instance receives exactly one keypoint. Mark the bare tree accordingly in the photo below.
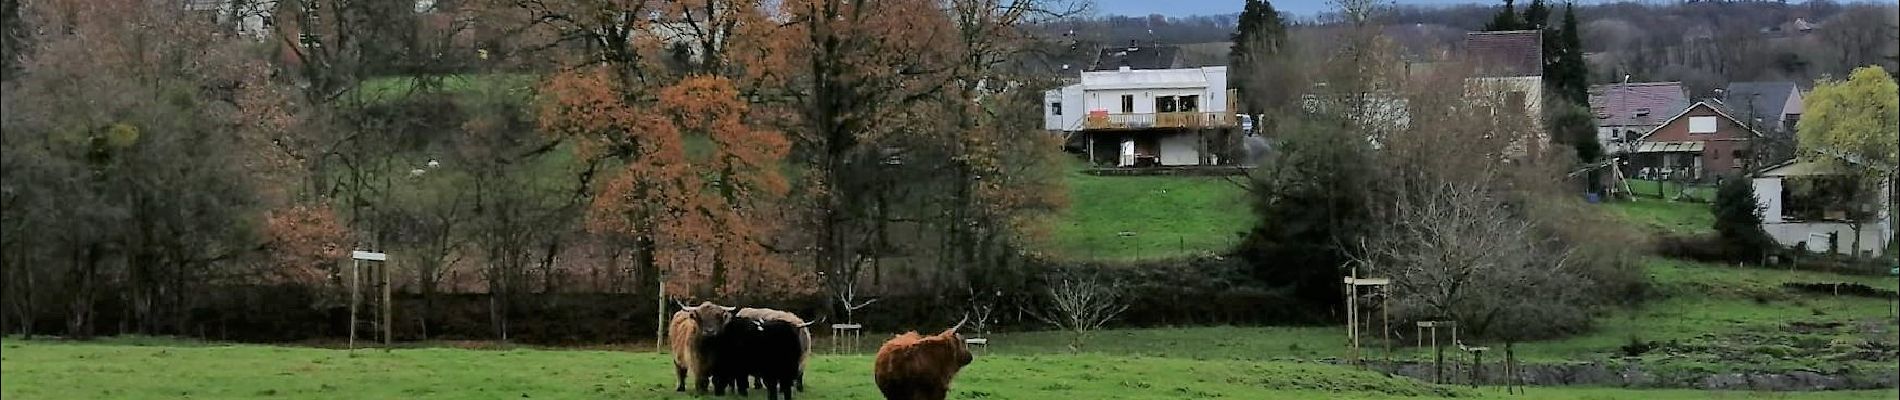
(1080, 306)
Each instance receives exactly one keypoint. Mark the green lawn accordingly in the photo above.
(1665, 216)
(50, 370)
(1123, 218)
(382, 89)
(1719, 316)
(1671, 190)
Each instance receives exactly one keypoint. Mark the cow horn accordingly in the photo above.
(683, 306)
(820, 319)
(966, 318)
(730, 309)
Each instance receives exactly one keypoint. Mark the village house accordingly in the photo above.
(1701, 143)
(1626, 111)
(1773, 108)
(1136, 56)
(1801, 207)
(1144, 117)
(1511, 63)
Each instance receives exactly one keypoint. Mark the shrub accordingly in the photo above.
(1738, 222)
(1636, 347)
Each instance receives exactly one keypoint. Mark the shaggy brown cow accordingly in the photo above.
(804, 336)
(917, 367)
(688, 330)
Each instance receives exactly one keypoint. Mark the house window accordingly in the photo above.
(1514, 99)
(1701, 124)
(1164, 104)
(1789, 121)
(1128, 103)
(1055, 108)
(1191, 103)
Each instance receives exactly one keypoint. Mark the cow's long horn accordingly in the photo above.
(730, 309)
(820, 319)
(683, 306)
(966, 318)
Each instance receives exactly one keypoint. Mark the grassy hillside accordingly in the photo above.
(1120, 218)
(1718, 318)
(1665, 216)
(43, 370)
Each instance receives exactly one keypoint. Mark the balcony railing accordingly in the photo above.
(1158, 120)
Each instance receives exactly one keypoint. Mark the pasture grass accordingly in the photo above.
(1665, 216)
(1672, 190)
(382, 89)
(1721, 318)
(1133, 218)
(59, 370)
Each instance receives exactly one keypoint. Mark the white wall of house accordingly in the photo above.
(1609, 135)
(1768, 197)
(1813, 235)
(1103, 91)
(1874, 235)
(1794, 104)
(1110, 100)
(1069, 118)
(1179, 149)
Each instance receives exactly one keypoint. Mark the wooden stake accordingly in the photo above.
(389, 335)
(659, 312)
(354, 265)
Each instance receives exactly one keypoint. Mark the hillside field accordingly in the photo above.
(1131, 218)
(50, 370)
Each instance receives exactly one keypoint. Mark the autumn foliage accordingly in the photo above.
(706, 221)
(306, 243)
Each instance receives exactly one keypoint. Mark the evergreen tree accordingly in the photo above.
(1574, 74)
(1506, 19)
(1537, 16)
(1738, 220)
(1261, 37)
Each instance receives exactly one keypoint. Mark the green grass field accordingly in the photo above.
(377, 90)
(1163, 216)
(1671, 190)
(52, 370)
(1665, 216)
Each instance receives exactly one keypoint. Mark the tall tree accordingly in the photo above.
(157, 138)
(1506, 19)
(1257, 50)
(1851, 126)
(1536, 16)
(1573, 74)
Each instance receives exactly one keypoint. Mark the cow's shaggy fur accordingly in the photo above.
(804, 336)
(916, 367)
(688, 332)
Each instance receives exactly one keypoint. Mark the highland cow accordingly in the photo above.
(690, 328)
(917, 367)
(804, 336)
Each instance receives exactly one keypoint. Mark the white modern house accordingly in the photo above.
(1796, 217)
(1144, 117)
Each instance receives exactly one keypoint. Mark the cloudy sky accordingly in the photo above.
(1181, 8)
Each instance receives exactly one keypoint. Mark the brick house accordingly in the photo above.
(1700, 143)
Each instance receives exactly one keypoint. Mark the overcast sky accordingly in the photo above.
(1182, 8)
(1307, 8)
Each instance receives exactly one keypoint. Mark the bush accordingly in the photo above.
(1636, 347)
(1738, 222)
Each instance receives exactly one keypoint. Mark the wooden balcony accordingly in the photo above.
(1167, 120)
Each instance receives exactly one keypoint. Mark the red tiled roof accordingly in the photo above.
(1637, 104)
(1506, 53)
